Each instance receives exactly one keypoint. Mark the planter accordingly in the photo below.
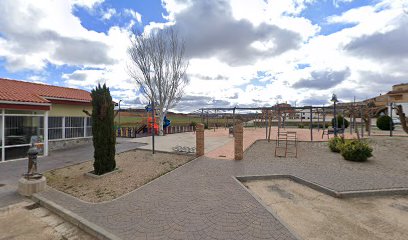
(92, 175)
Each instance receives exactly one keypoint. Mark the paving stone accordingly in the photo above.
(201, 200)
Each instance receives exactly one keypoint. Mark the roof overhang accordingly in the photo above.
(68, 101)
(25, 105)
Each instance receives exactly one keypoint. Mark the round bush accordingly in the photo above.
(335, 144)
(355, 150)
(340, 120)
(383, 122)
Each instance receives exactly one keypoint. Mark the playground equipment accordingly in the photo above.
(286, 141)
(166, 122)
(151, 122)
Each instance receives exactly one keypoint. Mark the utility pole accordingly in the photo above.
(153, 126)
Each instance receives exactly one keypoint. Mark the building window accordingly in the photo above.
(88, 127)
(55, 128)
(74, 127)
(19, 129)
(397, 98)
(19, 132)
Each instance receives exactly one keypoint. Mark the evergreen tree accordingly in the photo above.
(104, 138)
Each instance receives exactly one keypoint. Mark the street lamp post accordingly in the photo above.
(119, 112)
(334, 100)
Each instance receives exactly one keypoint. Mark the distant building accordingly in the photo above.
(398, 95)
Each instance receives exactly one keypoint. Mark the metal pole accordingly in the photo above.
(324, 120)
(233, 117)
(3, 133)
(46, 133)
(343, 123)
(311, 124)
(208, 126)
(279, 121)
(318, 120)
(369, 125)
(119, 112)
(266, 125)
(335, 119)
(202, 115)
(216, 119)
(351, 121)
(391, 125)
(153, 127)
(361, 122)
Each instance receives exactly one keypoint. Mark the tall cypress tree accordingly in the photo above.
(104, 138)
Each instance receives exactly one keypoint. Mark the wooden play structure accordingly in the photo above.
(286, 142)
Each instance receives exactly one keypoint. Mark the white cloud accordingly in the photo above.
(108, 14)
(87, 3)
(137, 16)
(337, 3)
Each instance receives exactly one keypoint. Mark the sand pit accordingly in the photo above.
(314, 215)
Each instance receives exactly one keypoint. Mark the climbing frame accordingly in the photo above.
(287, 142)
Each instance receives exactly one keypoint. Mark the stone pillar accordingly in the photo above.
(239, 141)
(200, 140)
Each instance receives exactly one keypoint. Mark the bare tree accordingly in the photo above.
(158, 66)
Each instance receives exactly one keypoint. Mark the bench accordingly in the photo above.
(331, 131)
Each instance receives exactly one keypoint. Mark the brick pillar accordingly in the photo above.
(200, 140)
(239, 141)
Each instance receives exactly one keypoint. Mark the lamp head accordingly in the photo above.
(334, 98)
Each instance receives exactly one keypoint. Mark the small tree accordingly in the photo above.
(104, 138)
(385, 123)
(158, 66)
(340, 120)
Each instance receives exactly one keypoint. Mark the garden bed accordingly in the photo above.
(138, 167)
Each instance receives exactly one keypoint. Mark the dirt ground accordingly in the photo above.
(314, 215)
(27, 221)
(137, 168)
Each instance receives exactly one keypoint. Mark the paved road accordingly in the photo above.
(11, 171)
(202, 200)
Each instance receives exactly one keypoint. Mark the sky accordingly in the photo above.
(245, 53)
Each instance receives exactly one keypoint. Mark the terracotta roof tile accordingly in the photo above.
(19, 91)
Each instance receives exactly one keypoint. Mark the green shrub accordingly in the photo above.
(383, 122)
(335, 144)
(104, 138)
(340, 120)
(205, 126)
(355, 150)
(301, 126)
(193, 124)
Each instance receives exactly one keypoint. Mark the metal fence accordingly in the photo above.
(131, 132)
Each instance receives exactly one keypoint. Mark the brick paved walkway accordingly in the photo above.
(202, 200)
(226, 151)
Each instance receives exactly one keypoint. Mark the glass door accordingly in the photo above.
(19, 132)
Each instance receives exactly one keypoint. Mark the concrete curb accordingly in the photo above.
(75, 219)
(326, 190)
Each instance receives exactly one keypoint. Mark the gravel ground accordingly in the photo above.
(137, 168)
